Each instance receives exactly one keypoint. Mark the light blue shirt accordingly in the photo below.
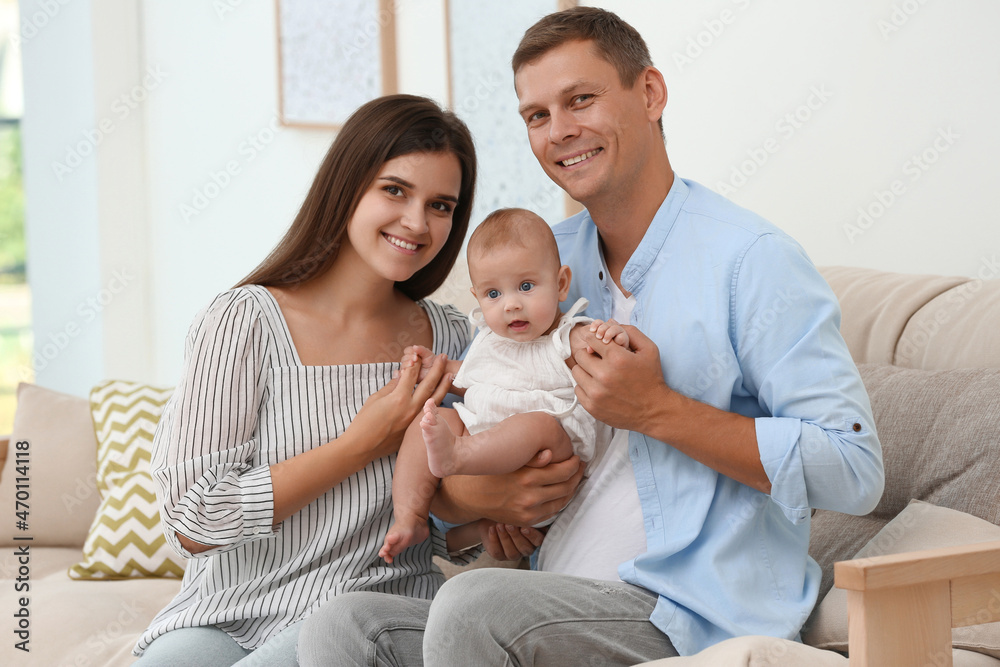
(744, 322)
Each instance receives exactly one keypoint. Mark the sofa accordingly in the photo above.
(929, 353)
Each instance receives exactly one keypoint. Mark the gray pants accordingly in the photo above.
(489, 617)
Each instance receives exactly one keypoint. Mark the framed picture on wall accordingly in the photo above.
(333, 56)
(481, 38)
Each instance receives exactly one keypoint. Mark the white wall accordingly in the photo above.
(200, 82)
(225, 178)
(893, 77)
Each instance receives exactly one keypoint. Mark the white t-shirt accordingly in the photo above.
(602, 526)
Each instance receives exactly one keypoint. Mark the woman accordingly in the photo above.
(274, 456)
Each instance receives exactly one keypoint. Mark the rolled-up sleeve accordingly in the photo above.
(818, 443)
(212, 487)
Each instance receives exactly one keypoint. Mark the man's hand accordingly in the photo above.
(621, 387)
(626, 389)
(522, 498)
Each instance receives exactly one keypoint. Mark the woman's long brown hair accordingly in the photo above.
(383, 129)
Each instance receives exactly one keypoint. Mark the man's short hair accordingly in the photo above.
(615, 40)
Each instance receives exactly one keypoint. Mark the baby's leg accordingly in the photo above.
(413, 486)
(504, 448)
(439, 426)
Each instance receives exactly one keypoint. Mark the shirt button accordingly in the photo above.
(857, 427)
(600, 275)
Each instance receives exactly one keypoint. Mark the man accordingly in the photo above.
(739, 406)
(738, 409)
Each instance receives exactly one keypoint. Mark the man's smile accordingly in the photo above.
(569, 162)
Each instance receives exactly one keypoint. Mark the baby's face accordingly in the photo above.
(519, 290)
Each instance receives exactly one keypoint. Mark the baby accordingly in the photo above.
(516, 373)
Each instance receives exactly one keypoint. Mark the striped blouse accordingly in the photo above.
(245, 401)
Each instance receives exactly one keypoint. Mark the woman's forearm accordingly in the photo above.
(298, 481)
(375, 431)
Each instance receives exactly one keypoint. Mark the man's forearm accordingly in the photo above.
(724, 441)
(626, 389)
(520, 498)
(454, 501)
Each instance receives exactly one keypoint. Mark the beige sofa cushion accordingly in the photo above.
(957, 329)
(758, 651)
(78, 622)
(920, 526)
(877, 306)
(62, 468)
(920, 414)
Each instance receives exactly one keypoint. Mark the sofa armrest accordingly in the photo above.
(901, 608)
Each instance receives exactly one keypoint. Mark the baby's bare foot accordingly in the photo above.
(440, 441)
(405, 532)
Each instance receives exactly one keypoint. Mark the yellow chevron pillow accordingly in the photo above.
(126, 539)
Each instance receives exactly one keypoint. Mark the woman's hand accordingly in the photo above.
(506, 542)
(387, 413)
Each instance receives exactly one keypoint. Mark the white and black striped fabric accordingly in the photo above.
(245, 402)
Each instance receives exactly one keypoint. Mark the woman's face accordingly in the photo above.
(404, 217)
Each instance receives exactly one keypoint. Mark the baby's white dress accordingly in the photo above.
(504, 377)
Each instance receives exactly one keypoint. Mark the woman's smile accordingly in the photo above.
(401, 243)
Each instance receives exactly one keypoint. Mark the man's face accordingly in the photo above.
(591, 135)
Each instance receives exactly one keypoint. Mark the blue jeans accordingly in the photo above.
(489, 616)
(208, 646)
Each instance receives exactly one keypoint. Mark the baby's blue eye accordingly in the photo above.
(493, 293)
(526, 286)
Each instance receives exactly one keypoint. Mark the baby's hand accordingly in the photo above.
(418, 354)
(610, 331)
